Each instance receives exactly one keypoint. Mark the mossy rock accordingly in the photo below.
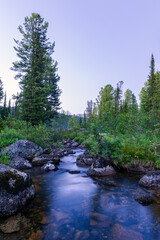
(13, 181)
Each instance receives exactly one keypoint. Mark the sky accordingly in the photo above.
(97, 42)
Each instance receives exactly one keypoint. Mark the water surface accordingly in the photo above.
(74, 206)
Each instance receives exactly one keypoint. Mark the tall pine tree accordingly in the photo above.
(36, 71)
(1, 90)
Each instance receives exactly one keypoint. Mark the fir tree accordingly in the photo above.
(36, 71)
(151, 85)
(1, 90)
(4, 112)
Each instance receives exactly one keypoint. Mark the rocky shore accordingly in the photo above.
(17, 189)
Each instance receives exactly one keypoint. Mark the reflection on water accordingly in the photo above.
(73, 206)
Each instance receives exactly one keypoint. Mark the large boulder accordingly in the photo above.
(150, 180)
(101, 172)
(44, 159)
(16, 188)
(84, 160)
(100, 162)
(22, 152)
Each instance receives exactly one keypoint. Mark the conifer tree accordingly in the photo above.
(1, 90)
(148, 92)
(36, 71)
(130, 103)
(151, 84)
(4, 113)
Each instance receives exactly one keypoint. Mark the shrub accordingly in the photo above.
(5, 159)
(39, 134)
(92, 145)
(1, 124)
(9, 136)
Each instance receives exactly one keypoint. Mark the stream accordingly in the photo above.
(69, 205)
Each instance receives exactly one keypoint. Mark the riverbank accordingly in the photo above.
(69, 204)
(27, 155)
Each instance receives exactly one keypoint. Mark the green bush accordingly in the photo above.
(39, 134)
(140, 148)
(9, 136)
(92, 145)
(113, 146)
(1, 124)
(129, 148)
(5, 159)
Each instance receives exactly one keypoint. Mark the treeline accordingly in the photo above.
(116, 126)
(115, 113)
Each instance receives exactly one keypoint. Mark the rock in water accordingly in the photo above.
(75, 144)
(143, 197)
(16, 188)
(150, 180)
(14, 223)
(121, 232)
(84, 160)
(101, 172)
(74, 171)
(44, 159)
(49, 167)
(22, 151)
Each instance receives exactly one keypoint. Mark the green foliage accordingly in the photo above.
(80, 137)
(9, 136)
(73, 123)
(131, 148)
(39, 97)
(113, 146)
(5, 159)
(38, 134)
(1, 124)
(92, 145)
(18, 129)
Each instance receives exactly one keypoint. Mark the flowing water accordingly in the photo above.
(69, 205)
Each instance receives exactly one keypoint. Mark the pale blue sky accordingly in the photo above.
(97, 42)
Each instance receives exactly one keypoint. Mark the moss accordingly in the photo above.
(19, 184)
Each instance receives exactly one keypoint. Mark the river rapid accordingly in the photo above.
(69, 205)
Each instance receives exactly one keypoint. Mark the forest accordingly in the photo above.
(114, 126)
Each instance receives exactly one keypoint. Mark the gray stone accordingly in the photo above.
(14, 223)
(16, 188)
(100, 172)
(150, 180)
(49, 167)
(107, 182)
(75, 144)
(84, 160)
(22, 151)
(20, 163)
(23, 148)
(43, 159)
(143, 197)
(82, 146)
